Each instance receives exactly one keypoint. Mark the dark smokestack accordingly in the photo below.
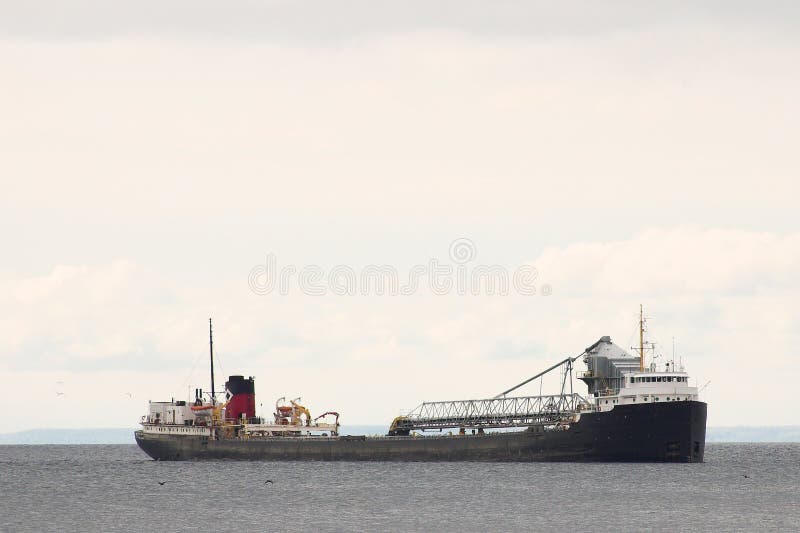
(241, 394)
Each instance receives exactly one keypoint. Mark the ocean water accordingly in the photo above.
(116, 488)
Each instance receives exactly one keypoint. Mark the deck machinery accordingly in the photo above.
(502, 411)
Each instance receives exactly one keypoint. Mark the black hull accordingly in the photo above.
(654, 432)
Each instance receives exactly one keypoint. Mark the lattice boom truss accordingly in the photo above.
(492, 413)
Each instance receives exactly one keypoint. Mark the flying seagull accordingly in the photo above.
(162, 482)
(746, 476)
(268, 481)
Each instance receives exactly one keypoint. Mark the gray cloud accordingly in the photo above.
(322, 21)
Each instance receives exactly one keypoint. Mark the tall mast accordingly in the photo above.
(211, 353)
(641, 341)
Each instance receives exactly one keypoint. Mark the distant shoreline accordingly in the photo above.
(125, 435)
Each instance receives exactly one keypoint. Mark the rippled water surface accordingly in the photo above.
(115, 488)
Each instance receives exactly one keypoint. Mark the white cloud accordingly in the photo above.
(413, 122)
(678, 262)
(189, 152)
(727, 296)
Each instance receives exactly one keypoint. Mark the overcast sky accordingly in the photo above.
(153, 153)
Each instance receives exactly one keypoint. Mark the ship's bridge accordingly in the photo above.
(650, 379)
(648, 387)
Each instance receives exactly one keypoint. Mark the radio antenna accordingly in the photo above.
(211, 353)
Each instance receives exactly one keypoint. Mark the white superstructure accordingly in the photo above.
(648, 386)
(615, 377)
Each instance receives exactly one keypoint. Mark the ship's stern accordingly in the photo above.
(171, 447)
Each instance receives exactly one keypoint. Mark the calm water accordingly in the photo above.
(115, 488)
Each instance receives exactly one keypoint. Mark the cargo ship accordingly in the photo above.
(631, 412)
